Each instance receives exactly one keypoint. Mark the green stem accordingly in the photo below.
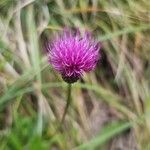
(68, 103)
(66, 109)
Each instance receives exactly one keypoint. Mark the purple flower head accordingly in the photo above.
(72, 54)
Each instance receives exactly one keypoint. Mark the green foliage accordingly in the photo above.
(33, 95)
(107, 132)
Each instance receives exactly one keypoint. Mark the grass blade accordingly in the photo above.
(107, 133)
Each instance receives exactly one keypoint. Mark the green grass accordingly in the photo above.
(33, 95)
(107, 132)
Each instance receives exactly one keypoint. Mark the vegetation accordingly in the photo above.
(110, 106)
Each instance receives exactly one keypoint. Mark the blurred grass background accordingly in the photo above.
(111, 105)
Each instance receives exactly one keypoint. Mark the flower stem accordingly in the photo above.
(66, 109)
(68, 103)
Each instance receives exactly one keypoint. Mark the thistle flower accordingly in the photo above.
(72, 54)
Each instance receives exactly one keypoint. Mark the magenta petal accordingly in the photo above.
(72, 54)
